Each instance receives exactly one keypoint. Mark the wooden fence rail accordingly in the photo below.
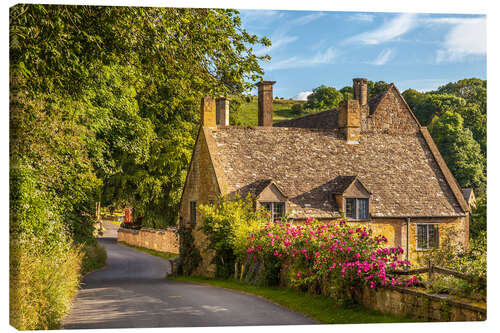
(431, 269)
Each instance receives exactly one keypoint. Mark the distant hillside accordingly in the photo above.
(246, 113)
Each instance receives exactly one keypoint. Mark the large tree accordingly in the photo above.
(460, 151)
(104, 100)
(324, 98)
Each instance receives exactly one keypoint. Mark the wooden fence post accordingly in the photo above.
(430, 270)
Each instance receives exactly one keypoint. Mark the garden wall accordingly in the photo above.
(403, 301)
(162, 240)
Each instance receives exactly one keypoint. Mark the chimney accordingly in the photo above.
(360, 87)
(349, 120)
(266, 103)
(208, 118)
(222, 111)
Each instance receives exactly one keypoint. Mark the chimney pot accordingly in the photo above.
(222, 111)
(265, 103)
(360, 87)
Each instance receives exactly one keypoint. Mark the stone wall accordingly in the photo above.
(402, 301)
(161, 240)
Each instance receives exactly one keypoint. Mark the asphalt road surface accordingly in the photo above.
(131, 292)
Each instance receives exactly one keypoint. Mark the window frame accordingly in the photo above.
(356, 208)
(428, 239)
(273, 208)
(192, 208)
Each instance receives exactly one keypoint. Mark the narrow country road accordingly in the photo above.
(131, 291)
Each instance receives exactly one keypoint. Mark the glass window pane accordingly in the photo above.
(433, 236)
(350, 208)
(279, 210)
(192, 212)
(362, 208)
(421, 236)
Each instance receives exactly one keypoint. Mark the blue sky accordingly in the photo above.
(419, 51)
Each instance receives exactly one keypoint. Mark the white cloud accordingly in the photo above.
(361, 17)
(281, 37)
(302, 96)
(466, 38)
(383, 57)
(277, 42)
(319, 58)
(388, 31)
(308, 18)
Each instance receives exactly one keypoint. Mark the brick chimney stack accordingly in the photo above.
(360, 87)
(207, 112)
(222, 111)
(266, 103)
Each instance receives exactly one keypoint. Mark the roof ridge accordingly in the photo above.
(450, 179)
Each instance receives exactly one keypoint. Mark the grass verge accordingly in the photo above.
(322, 308)
(94, 258)
(163, 255)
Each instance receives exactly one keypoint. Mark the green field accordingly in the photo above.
(246, 115)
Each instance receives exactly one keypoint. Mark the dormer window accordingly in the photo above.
(271, 198)
(356, 208)
(277, 209)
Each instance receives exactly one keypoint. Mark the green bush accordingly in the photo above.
(227, 226)
(44, 261)
(470, 262)
(297, 109)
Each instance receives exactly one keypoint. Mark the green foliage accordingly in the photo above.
(297, 109)
(460, 151)
(478, 218)
(104, 105)
(471, 261)
(376, 88)
(94, 257)
(467, 98)
(42, 282)
(473, 90)
(227, 226)
(347, 92)
(189, 255)
(324, 98)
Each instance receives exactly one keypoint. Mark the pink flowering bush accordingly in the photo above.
(313, 252)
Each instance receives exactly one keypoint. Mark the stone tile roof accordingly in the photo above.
(467, 193)
(399, 169)
(324, 119)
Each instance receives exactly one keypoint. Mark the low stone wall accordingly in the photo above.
(162, 240)
(403, 301)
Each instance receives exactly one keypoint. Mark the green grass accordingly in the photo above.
(247, 115)
(322, 308)
(94, 258)
(163, 255)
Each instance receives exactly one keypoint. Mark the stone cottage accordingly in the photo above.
(369, 160)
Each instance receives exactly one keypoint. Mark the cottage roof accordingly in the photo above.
(399, 169)
(308, 159)
(467, 193)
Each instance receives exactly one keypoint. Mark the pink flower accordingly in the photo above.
(298, 275)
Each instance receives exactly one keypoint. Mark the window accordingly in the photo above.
(427, 236)
(192, 213)
(277, 209)
(356, 208)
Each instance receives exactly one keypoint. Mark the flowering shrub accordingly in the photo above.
(313, 252)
